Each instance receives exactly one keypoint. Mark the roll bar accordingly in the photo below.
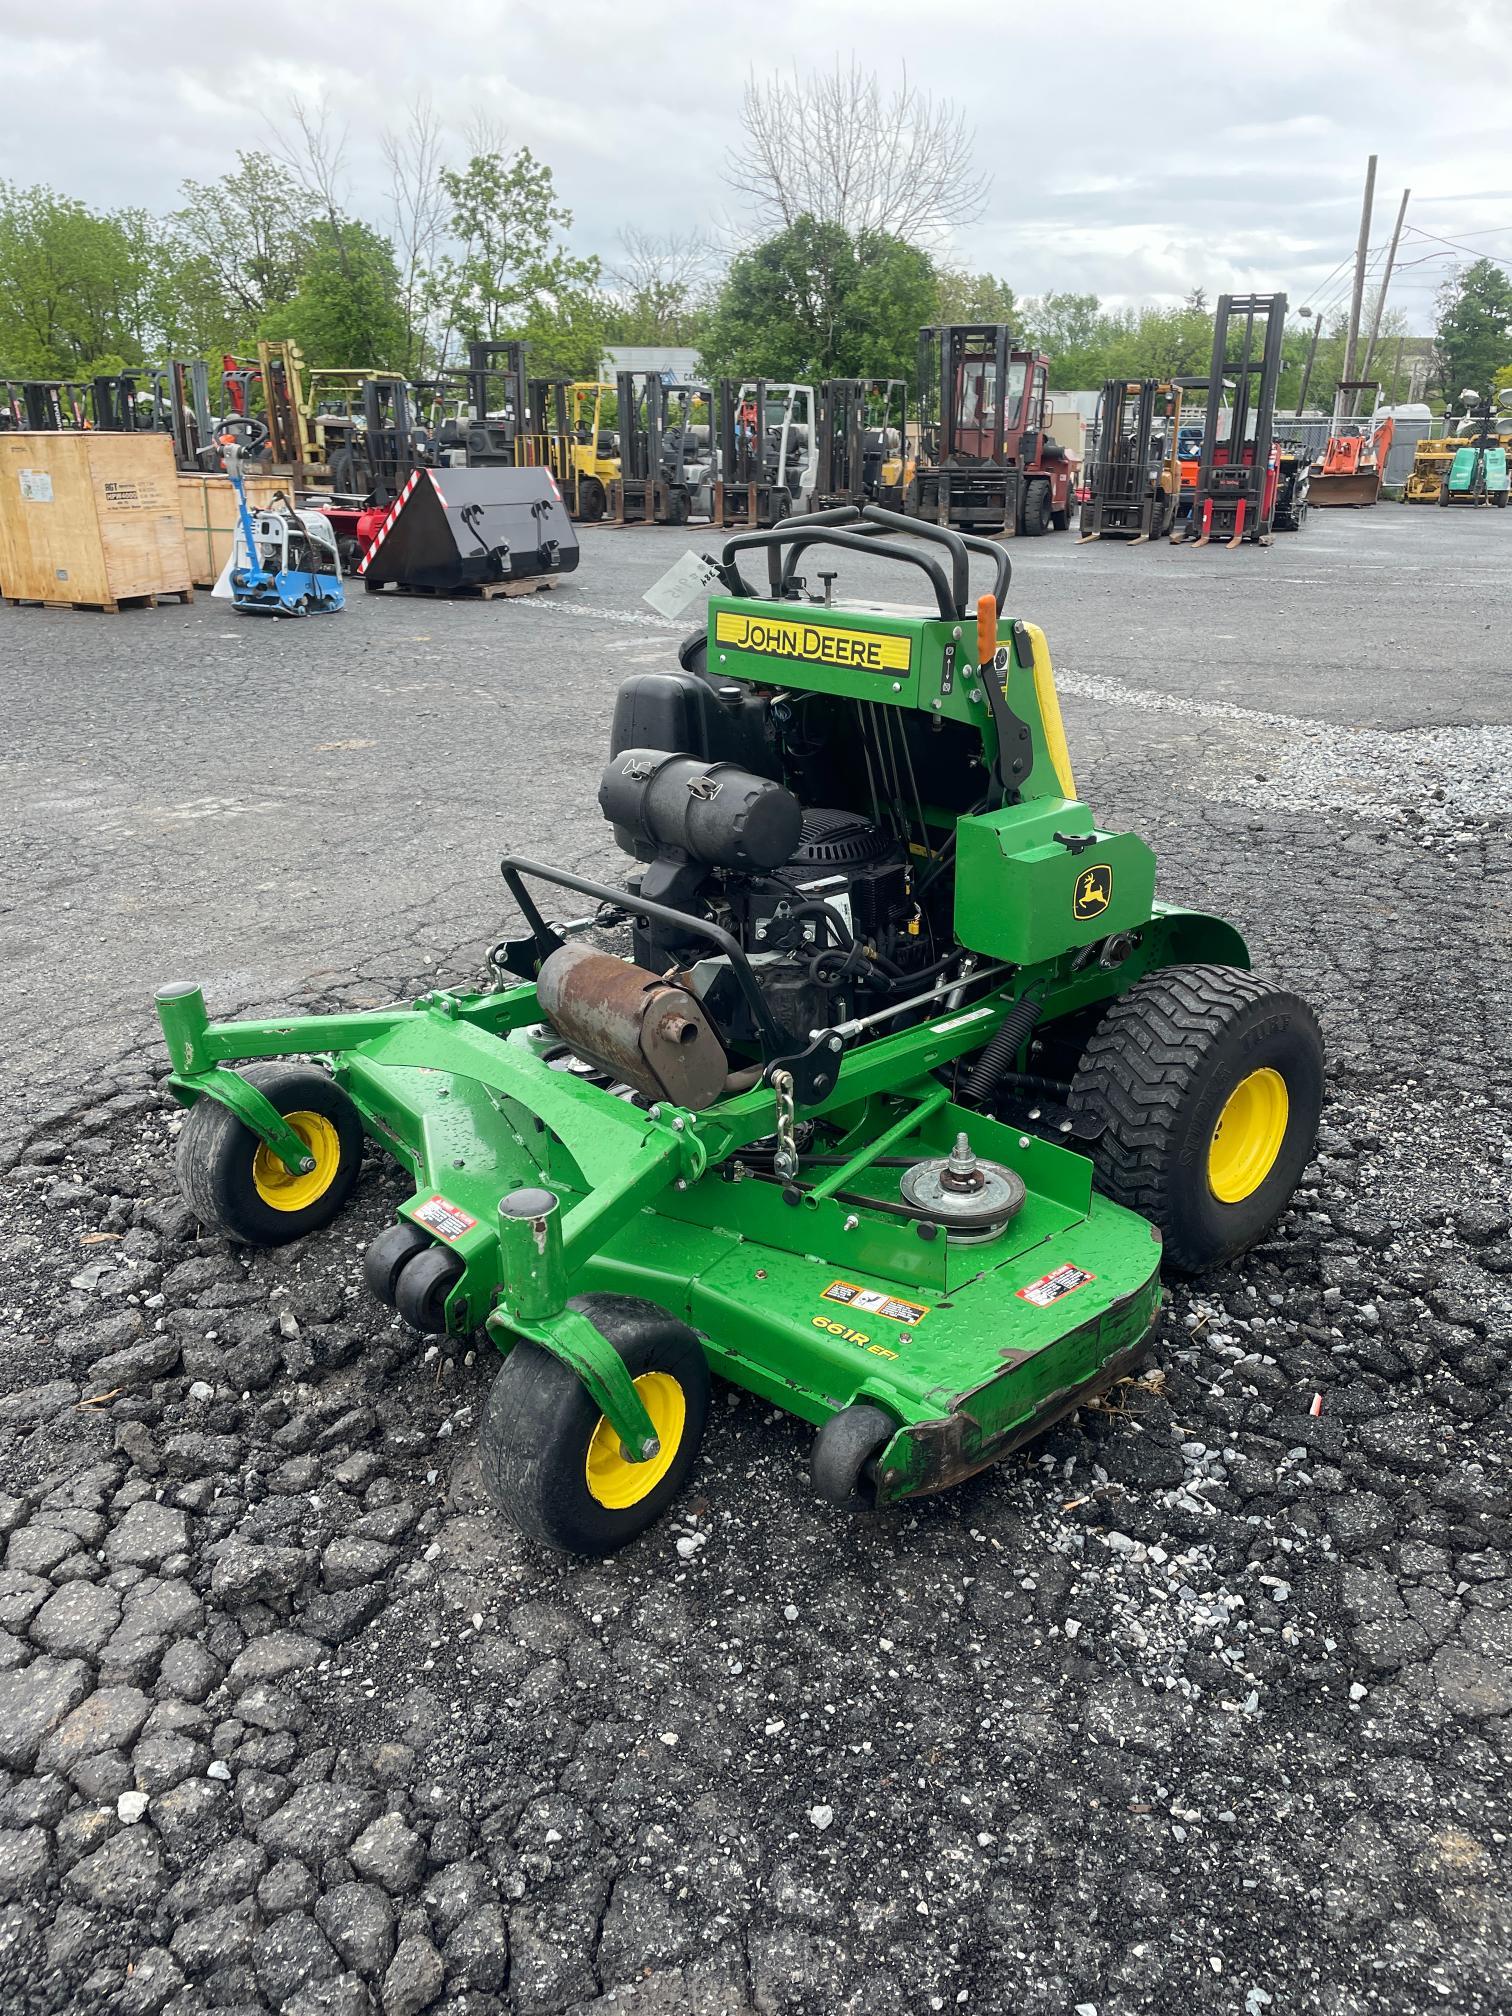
(860, 531)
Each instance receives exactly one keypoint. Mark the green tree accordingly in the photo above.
(511, 262)
(974, 297)
(816, 302)
(82, 289)
(1073, 332)
(346, 311)
(1474, 328)
(567, 333)
(249, 232)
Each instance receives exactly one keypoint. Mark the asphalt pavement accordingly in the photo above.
(1202, 1704)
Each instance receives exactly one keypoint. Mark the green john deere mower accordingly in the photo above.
(905, 1085)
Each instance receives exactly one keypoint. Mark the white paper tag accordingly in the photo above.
(36, 486)
(683, 583)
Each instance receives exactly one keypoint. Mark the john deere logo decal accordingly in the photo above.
(1094, 892)
(813, 643)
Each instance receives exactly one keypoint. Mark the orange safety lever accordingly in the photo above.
(986, 630)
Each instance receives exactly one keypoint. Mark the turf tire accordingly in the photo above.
(1157, 1074)
(539, 1421)
(216, 1153)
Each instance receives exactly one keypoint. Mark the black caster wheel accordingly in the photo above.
(389, 1252)
(843, 1465)
(422, 1287)
(552, 1461)
(230, 1179)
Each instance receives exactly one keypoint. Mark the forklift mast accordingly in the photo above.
(963, 391)
(391, 446)
(853, 419)
(497, 379)
(1235, 496)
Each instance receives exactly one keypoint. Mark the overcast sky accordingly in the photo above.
(1134, 153)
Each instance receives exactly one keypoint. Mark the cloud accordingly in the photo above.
(1125, 162)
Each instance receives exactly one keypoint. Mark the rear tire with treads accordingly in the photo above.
(1207, 1085)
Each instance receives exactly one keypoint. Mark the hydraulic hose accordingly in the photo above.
(996, 1060)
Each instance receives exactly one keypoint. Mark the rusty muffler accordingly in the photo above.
(652, 1034)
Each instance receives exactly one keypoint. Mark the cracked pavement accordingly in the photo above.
(1204, 1703)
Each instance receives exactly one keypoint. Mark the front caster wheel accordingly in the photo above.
(843, 1465)
(230, 1179)
(389, 1254)
(554, 1464)
(1206, 1086)
(422, 1286)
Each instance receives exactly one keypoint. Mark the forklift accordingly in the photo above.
(1237, 478)
(584, 452)
(1353, 466)
(768, 465)
(663, 477)
(281, 438)
(1478, 472)
(1133, 470)
(862, 428)
(985, 458)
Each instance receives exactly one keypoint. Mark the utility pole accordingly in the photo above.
(1312, 351)
(1362, 248)
(1380, 300)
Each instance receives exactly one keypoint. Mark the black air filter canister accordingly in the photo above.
(716, 813)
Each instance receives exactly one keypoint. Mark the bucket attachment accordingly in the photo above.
(461, 528)
(1360, 487)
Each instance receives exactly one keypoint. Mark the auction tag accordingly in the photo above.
(683, 583)
(36, 486)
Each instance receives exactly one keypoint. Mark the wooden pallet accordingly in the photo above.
(104, 608)
(469, 591)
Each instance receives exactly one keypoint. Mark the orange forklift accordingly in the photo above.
(986, 461)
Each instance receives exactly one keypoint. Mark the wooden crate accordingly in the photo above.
(207, 506)
(90, 519)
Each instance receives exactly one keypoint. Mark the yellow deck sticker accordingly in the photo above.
(813, 643)
(875, 1302)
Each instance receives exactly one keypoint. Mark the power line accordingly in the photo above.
(1495, 257)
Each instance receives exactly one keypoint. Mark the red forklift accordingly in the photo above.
(986, 461)
(1234, 498)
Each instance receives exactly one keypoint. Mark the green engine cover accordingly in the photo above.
(1022, 895)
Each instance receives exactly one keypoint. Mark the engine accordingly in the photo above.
(817, 898)
(793, 822)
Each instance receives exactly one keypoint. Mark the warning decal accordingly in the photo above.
(1050, 1287)
(447, 1220)
(875, 1302)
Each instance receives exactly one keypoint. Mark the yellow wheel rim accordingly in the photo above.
(1248, 1136)
(612, 1478)
(279, 1188)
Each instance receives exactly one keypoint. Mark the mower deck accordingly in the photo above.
(835, 1296)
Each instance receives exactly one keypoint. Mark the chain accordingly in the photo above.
(785, 1161)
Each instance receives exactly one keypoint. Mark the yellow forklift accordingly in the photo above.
(585, 449)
